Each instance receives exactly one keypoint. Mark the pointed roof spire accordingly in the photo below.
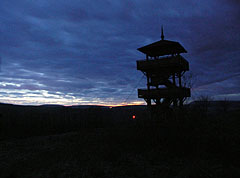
(162, 35)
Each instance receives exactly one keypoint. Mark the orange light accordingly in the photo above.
(134, 117)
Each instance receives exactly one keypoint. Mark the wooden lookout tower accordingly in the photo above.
(164, 68)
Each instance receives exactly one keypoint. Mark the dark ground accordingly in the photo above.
(206, 146)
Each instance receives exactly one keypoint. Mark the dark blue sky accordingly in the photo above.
(84, 52)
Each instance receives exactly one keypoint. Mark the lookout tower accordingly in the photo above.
(164, 68)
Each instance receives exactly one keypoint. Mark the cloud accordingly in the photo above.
(85, 51)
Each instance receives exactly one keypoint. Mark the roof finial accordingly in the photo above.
(162, 35)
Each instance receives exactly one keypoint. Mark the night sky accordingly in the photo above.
(84, 52)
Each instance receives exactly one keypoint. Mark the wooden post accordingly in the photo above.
(174, 80)
(180, 85)
(180, 79)
(148, 84)
(180, 102)
(174, 83)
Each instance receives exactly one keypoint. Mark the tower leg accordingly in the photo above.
(181, 102)
(174, 80)
(149, 102)
(180, 79)
(175, 102)
(174, 83)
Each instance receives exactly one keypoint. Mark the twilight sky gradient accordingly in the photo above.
(84, 52)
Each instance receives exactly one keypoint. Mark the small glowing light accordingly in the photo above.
(134, 117)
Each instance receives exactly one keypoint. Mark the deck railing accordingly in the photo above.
(175, 62)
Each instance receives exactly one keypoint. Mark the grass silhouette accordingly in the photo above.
(196, 145)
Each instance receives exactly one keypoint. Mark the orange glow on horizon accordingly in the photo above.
(39, 99)
(124, 104)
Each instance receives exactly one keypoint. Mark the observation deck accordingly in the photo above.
(171, 64)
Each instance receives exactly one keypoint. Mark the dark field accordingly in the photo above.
(61, 142)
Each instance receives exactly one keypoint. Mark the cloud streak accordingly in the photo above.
(85, 51)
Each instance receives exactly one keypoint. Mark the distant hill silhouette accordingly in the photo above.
(20, 120)
(216, 105)
(232, 105)
(77, 106)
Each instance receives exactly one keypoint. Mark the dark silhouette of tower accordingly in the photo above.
(164, 68)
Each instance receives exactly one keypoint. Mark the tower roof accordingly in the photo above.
(162, 47)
